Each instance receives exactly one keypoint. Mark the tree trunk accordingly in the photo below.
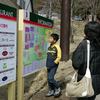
(65, 29)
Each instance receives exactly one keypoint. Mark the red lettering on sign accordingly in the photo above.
(3, 26)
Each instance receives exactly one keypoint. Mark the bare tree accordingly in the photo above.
(48, 6)
(85, 7)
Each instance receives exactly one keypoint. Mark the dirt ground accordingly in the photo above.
(62, 97)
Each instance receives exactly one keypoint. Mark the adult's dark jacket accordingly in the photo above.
(79, 61)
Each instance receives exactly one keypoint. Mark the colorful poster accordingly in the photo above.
(35, 46)
(7, 47)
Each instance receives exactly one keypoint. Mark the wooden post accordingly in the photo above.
(65, 29)
(20, 79)
(11, 91)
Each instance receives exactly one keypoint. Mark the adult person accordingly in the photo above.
(79, 58)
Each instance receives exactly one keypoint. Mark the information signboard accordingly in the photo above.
(8, 31)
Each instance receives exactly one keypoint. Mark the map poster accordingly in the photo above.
(35, 42)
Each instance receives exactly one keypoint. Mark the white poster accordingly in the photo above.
(7, 51)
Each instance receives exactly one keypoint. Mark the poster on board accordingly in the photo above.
(8, 41)
(36, 31)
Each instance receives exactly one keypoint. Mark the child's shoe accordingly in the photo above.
(50, 93)
(57, 92)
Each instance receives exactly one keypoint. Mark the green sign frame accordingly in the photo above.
(7, 10)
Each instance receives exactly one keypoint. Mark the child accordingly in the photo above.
(53, 59)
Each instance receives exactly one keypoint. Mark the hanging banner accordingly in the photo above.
(8, 31)
(37, 29)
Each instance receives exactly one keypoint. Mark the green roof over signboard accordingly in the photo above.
(41, 20)
(12, 12)
(7, 10)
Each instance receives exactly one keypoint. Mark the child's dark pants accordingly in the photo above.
(53, 84)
